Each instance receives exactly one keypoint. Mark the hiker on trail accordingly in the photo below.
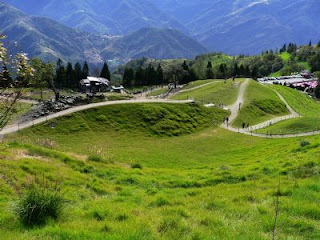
(240, 106)
(233, 79)
(227, 120)
(243, 125)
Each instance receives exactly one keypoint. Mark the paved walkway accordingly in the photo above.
(16, 127)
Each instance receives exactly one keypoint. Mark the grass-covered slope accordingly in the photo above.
(261, 104)
(308, 108)
(212, 185)
(146, 119)
(217, 92)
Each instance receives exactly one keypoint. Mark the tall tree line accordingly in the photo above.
(150, 75)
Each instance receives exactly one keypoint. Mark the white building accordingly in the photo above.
(94, 84)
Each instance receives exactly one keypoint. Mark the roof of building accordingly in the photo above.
(95, 79)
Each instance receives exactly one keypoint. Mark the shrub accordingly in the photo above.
(304, 143)
(136, 165)
(39, 204)
(95, 158)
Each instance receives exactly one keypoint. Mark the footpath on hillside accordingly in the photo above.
(235, 108)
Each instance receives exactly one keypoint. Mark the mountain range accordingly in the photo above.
(48, 39)
(230, 26)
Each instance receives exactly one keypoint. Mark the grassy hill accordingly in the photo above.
(217, 92)
(122, 180)
(261, 104)
(288, 69)
(308, 108)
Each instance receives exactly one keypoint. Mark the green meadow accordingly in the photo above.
(161, 171)
(218, 92)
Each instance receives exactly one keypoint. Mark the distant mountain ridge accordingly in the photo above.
(247, 26)
(113, 17)
(230, 26)
(50, 40)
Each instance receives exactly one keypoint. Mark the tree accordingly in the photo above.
(105, 73)
(176, 72)
(223, 70)
(139, 76)
(310, 44)
(77, 75)
(69, 76)
(247, 72)
(209, 72)
(60, 74)
(159, 75)
(21, 68)
(235, 70)
(85, 70)
(284, 48)
(128, 77)
(48, 76)
(185, 66)
(150, 75)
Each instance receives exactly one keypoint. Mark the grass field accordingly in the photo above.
(203, 183)
(216, 93)
(307, 107)
(261, 104)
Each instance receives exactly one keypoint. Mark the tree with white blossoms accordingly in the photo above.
(14, 74)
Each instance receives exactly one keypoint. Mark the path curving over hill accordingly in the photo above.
(234, 108)
(16, 127)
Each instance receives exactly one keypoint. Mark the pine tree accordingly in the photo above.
(185, 66)
(310, 44)
(318, 45)
(247, 72)
(139, 77)
(77, 74)
(150, 75)
(128, 77)
(69, 76)
(254, 72)
(235, 70)
(60, 74)
(85, 70)
(209, 72)
(105, 73)
(159, 75)
(241, 70)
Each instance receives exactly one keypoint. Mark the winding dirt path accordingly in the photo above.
(16, 127)
(248, 131)
(234, 108)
